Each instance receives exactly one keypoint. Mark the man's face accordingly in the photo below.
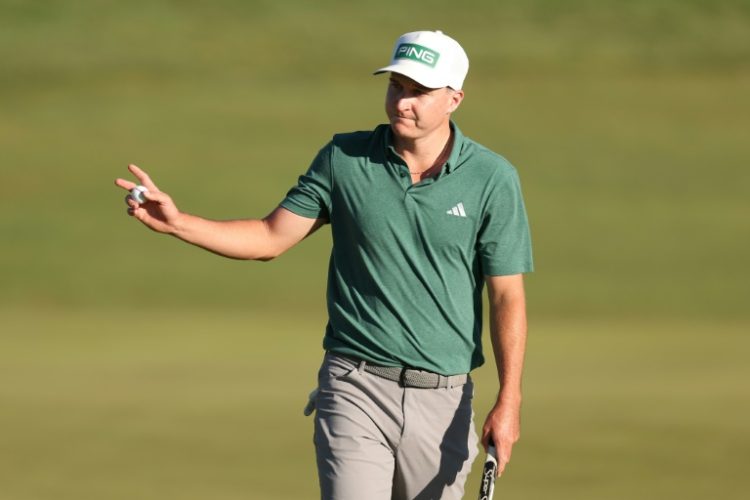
(416, 111)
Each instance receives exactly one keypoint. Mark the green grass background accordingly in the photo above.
(133, 366)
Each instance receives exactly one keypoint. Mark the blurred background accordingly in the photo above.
(134, 366)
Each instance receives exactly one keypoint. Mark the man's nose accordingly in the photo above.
(403, 101)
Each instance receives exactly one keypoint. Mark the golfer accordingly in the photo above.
(422, 218)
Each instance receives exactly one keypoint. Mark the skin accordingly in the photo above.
(246, 239)
(508, 335)
(420, 120)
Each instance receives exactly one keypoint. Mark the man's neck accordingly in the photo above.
(422, 154)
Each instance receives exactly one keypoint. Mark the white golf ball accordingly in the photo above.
(137, 194)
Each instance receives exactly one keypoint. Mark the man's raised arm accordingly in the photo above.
(247, 239)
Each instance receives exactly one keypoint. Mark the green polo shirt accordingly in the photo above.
(408, 261)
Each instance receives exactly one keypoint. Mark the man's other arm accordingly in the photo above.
(508, 334)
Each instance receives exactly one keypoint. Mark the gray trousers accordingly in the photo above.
(377, 440)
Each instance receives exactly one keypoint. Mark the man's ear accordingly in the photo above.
(456, 97)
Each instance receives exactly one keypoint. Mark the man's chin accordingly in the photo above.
(403, 128)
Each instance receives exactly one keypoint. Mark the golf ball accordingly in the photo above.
(137, 194)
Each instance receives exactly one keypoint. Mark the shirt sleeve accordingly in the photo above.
(311, 197)
(504, 240)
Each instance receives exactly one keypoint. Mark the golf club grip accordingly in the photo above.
(487, 486)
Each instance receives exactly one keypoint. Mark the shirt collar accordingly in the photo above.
(450, 165)
(458, 144)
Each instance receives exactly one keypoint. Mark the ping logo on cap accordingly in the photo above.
(417, 53)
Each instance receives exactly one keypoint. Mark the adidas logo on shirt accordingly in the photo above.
(458, 210)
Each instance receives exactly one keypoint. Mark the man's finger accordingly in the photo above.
(156, 196)
(125, 184)
(152, 196)
(142, 177)
(487, 436)
(503, 457)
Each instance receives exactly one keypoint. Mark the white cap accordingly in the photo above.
(430, 58)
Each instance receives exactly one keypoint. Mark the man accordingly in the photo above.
(421, 217)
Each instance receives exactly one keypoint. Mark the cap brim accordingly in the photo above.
(414, 73)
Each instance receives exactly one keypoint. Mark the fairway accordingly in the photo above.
(136, 367)
(194, 405)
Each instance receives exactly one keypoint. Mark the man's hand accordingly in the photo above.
(503, 427)
(158, 212)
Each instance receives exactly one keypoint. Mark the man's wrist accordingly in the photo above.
(179, 226)
(510, 398)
